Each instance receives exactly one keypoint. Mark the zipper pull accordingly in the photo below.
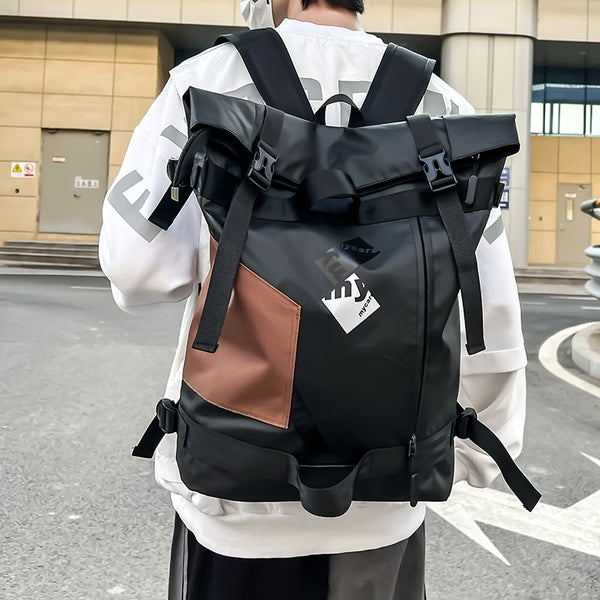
(412, 451)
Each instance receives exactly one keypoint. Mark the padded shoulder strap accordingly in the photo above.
(398, 86)
(272, 70)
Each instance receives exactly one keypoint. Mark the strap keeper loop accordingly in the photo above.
(463, 423)
(166, 411)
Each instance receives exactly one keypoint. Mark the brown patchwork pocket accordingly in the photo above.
(252, 371)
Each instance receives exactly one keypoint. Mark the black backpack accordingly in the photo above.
(323, 358)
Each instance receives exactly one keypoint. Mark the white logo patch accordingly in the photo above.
(351, 303)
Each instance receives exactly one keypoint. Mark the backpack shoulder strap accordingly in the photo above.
(398, 86)
(272, 70)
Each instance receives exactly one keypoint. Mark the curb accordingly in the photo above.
(585, 350)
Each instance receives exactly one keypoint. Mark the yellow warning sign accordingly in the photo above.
(22, 169)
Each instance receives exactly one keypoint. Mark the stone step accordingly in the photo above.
(49, 257)
(50, 245)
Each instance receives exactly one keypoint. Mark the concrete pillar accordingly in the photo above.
(487, 55)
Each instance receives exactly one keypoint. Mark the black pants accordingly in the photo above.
(391, 573)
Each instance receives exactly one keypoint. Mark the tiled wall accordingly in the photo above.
(557, 160)
(71, 78)
(414, 16)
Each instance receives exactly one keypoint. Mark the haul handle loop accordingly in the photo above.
(356, 116)
(442, 181)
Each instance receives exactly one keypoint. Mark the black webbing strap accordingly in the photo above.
(398, 86)
(441, 179)
(235, 230)
(271, 69)
(468, 426)
(165, 421)
(234, 455)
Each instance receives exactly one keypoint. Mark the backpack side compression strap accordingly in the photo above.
(468, 426)
(398, 86)
(442, 182)
(271, 69)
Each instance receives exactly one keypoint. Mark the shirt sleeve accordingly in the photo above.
(493, 381)
(145, 264)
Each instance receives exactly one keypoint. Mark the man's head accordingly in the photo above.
(357, 6)
(269, 13)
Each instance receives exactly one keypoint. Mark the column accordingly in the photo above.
(487, 55)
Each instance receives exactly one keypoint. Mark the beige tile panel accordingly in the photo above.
(18, 214)
(106, 9)
(79, 77)
(166, 55)
(135, 80)
(544, 153)
(20, 109)
(209, 12)
(9, 7)
(119, 140)
(557, 22)
(20, 143)
(574, 155)
(579, 178)
(22, 41)
(378, 16)
(503, 73)
(456, 16)
(113, 171)
(523, 73)
(45, 8)
(542, 216)
(542, 186)
(127, 112)
(477, 67)
(493, 17)
(595, 166)
(138, 47)
(81, 44)
(424, 17)
(527, 17)
(593, 34)
(77, 112)
(157, 11)
(21, 75)
(595, 238)
(18, 188)
(15, 235)
(455, 51)
(542, 247)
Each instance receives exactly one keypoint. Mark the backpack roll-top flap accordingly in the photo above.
(371, 155)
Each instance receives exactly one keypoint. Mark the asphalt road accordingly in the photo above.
(81, 519)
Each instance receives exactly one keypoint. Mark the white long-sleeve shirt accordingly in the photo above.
(147, 265)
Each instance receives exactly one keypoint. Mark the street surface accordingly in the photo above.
(82, 520)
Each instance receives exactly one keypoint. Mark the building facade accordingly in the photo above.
(77, 75)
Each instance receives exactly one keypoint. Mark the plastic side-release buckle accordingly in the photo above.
(166, 411)
(464, 422)
(439, 172)
(263, 166)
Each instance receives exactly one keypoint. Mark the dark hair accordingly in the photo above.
(357, 6)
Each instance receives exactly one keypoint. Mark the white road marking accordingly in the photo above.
(116, 590)
(576, 527)
(89, 287)
(578, 298)
(535, 303)
(549, 360)
(590, 307)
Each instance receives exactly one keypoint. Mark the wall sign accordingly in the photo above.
(505, 179)
(20, 170)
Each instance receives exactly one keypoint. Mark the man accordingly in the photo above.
(229, 550)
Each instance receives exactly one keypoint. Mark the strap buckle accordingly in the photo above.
(262, 168)
(464, 422)
(166, 411)
(438, 171)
